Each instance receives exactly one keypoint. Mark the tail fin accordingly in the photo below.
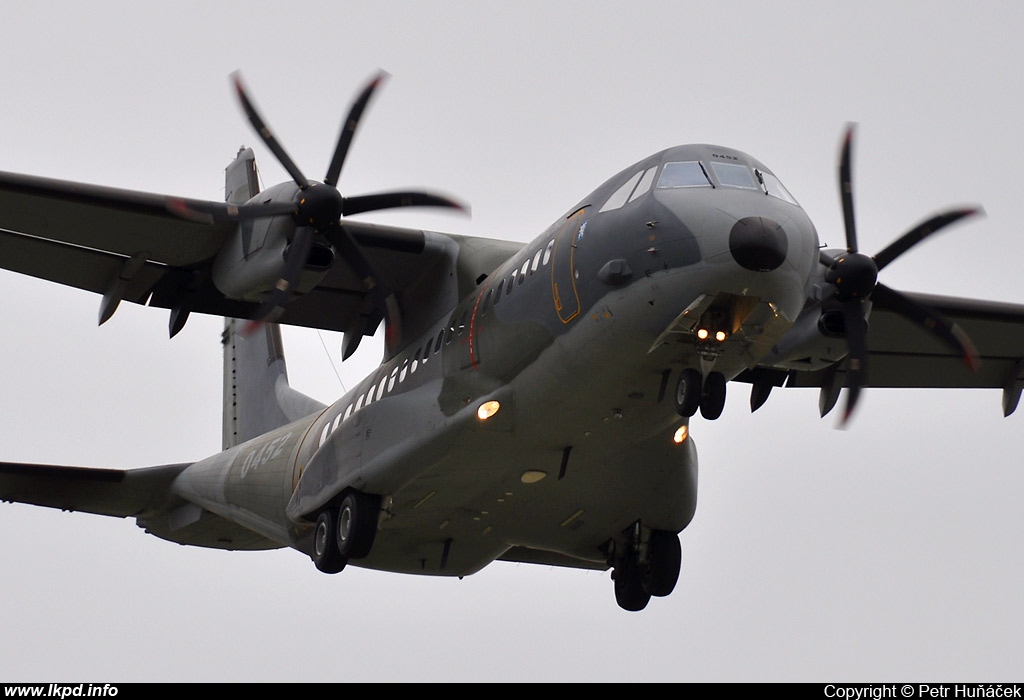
(257, 397)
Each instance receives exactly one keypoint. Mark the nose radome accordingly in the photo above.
(758, 243)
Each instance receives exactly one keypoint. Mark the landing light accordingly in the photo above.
(702, 334)
(682, 432)
(720, 336)
(487, 409)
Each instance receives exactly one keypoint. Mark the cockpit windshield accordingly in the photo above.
(694, 173)
(687, 174)
(734, 175)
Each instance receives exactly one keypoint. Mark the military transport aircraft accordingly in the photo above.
(534, 401)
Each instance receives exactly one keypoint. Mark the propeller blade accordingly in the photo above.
(917, 234)
(393, 200)
(829, 393)
(857, 360)
(219, 212)
(295, 260)
(267, 135)
(348, 130)
(930, 320)
(384, 299)
(846, 190)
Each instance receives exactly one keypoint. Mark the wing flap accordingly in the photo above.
(84, 268)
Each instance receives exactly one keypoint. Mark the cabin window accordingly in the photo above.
(734, 175)
(497, 292)
(536, 262)
(415, 362)
(391, 379)
(440, 339)
(523, 270)
(486, 303)
(547, 252)
(685, 174)
(511, 282)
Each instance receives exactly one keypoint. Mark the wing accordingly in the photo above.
(138, 247)
(902, 354)
(143, 494)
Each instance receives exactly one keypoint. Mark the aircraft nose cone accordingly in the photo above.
(758, 243)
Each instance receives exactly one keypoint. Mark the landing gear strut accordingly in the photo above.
(646, 568)
(707, 394)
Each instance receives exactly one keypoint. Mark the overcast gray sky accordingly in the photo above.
(884, 552)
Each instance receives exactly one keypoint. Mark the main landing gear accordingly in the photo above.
(345, 531)
(706, 393)
(646, 568)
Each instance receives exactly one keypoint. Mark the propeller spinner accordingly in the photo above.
(854, 276)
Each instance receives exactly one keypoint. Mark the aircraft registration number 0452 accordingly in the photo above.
(269, 451)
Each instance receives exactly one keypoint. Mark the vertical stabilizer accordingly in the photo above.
(257, 397)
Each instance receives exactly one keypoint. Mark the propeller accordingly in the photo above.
(854, 277)
(317, 209)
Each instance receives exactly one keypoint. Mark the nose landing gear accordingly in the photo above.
(646, 568)
(694, 391)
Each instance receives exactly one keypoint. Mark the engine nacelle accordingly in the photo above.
(818, 337)
(252, 259)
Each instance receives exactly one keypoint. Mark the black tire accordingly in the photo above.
(688, 392)
(666, 558)
(357, 524)
(713, 401)
(629, 589)
(325, 552)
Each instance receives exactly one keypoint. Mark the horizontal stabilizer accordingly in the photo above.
(115, 492)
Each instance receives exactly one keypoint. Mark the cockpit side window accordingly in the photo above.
(631, 189)
(620, 195)
(772, 187)
(685, 174)
(734, 175)
(645, 184)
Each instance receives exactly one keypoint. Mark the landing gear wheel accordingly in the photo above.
(357, 524)
(629, 588)
(688, 392)
(666, 556)
(713, 400)
(325, 553)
